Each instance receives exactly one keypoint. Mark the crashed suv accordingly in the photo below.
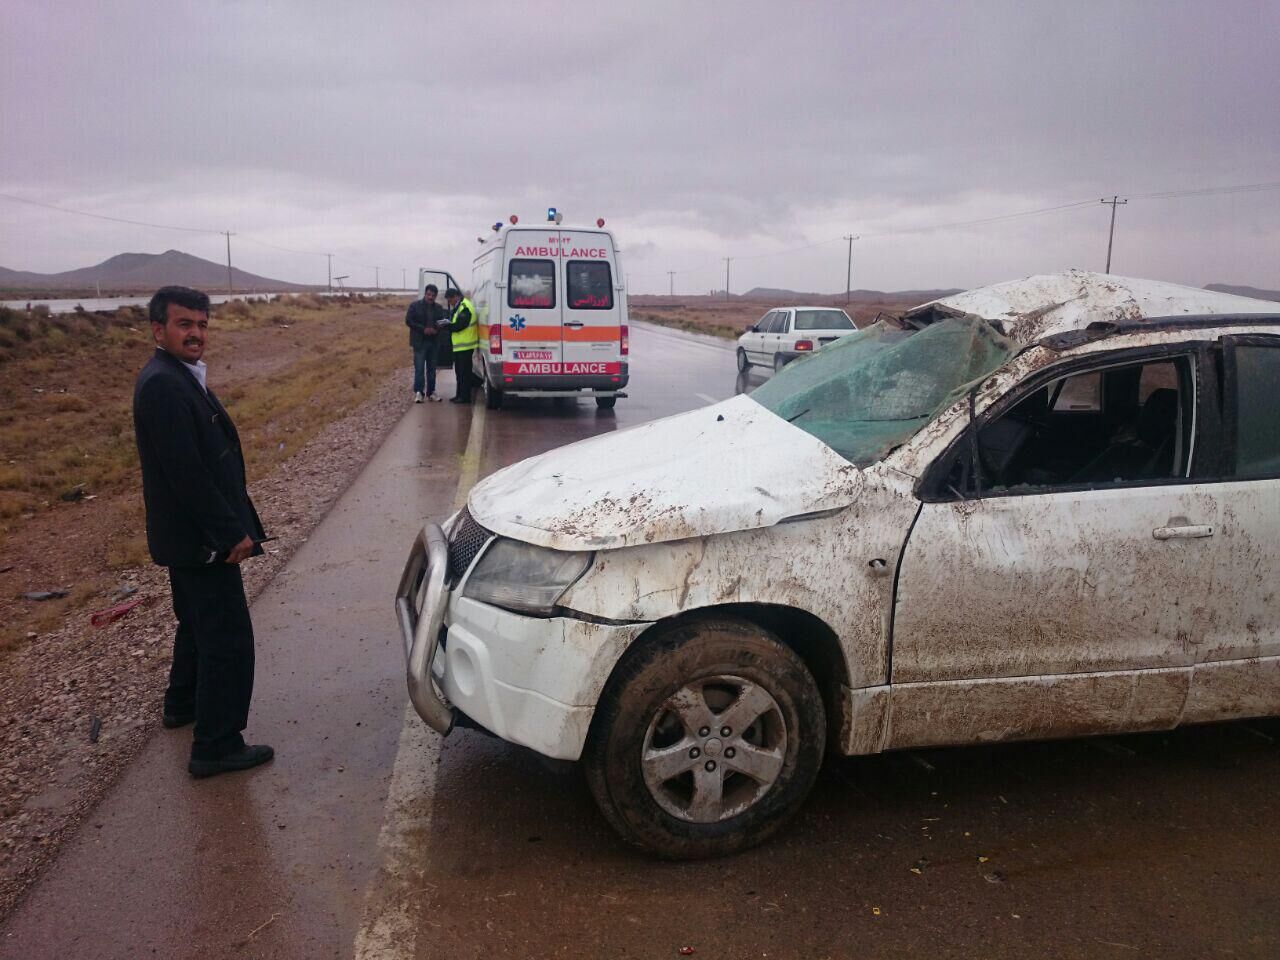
(1040, 509)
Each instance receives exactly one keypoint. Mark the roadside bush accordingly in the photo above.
(234, 308)
(68, 403)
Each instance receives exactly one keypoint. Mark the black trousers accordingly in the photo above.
(462, 373)
(212, 672)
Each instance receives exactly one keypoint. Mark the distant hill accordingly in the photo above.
(144, 272)
(1244, 291)
(872, 296)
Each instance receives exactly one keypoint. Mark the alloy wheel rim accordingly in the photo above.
(713, 749)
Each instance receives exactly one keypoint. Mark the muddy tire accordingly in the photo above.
(743, 362)
(779, 361)
(606, 403)
(707, 740)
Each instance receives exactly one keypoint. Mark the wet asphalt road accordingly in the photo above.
(370, 836)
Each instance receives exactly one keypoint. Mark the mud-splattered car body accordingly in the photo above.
(1058, 537)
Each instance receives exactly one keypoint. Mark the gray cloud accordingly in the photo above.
(396, 132)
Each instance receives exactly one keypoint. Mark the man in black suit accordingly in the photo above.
(201, 525)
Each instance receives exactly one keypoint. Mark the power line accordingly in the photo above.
(1208, 191)
(276, 246)
(101, 216)
(960, 224)
(780, 253)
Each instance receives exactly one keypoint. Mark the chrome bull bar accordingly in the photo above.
(427, 565)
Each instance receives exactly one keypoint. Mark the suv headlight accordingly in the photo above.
(524, 578)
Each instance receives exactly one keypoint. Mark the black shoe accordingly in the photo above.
(250, 755)
(458, 400)
(172, 721)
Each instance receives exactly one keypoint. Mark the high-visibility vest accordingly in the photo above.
(468, 338)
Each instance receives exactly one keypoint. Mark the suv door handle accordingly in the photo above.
(1188, 532)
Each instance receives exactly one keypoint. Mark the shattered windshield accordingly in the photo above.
(872, 390)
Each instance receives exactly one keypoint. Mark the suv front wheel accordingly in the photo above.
(708, 738)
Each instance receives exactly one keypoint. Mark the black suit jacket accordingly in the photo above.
(193, 480)
(423, 320)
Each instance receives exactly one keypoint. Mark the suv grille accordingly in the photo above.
(465, 542)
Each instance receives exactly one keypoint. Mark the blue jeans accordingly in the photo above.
(425, 354)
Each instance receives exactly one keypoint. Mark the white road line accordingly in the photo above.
(387, 930)
(703, 396)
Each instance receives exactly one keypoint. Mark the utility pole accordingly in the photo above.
(671, 279)
(1115, 201)
(330, 256)
(404, 279)
(727, 261)
(228, 235)
(377, 282)
(848, 273)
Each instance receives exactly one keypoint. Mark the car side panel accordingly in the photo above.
(1032, 708)
(838, 568)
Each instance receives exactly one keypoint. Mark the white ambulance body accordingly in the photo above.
(552, 309)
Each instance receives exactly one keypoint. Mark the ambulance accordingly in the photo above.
(552, 311)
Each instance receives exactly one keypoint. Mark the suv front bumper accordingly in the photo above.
(421, 599)
(534, 681)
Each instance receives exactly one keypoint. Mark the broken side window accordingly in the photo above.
(1127, 423)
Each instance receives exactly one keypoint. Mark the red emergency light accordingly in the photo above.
(495, 340)
(513, 219)
(600, 221)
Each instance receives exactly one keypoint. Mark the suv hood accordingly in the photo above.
(731, 466)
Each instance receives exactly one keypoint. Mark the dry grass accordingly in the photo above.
(284, 370)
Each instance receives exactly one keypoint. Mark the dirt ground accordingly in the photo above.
(77, 701)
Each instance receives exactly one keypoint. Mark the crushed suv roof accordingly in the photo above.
(1055, 303)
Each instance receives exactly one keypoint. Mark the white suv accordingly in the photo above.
(783, 334)
(1042, 509)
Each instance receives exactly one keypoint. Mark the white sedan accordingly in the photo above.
(785, 333)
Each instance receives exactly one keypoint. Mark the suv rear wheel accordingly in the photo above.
(708, 738)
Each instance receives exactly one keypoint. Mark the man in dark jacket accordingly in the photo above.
(201, 525)
(424, 318)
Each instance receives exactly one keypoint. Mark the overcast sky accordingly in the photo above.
(393, 134)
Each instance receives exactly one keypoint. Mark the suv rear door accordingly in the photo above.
(1237, 671)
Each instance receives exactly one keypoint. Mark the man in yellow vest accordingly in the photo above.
(465, 335)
